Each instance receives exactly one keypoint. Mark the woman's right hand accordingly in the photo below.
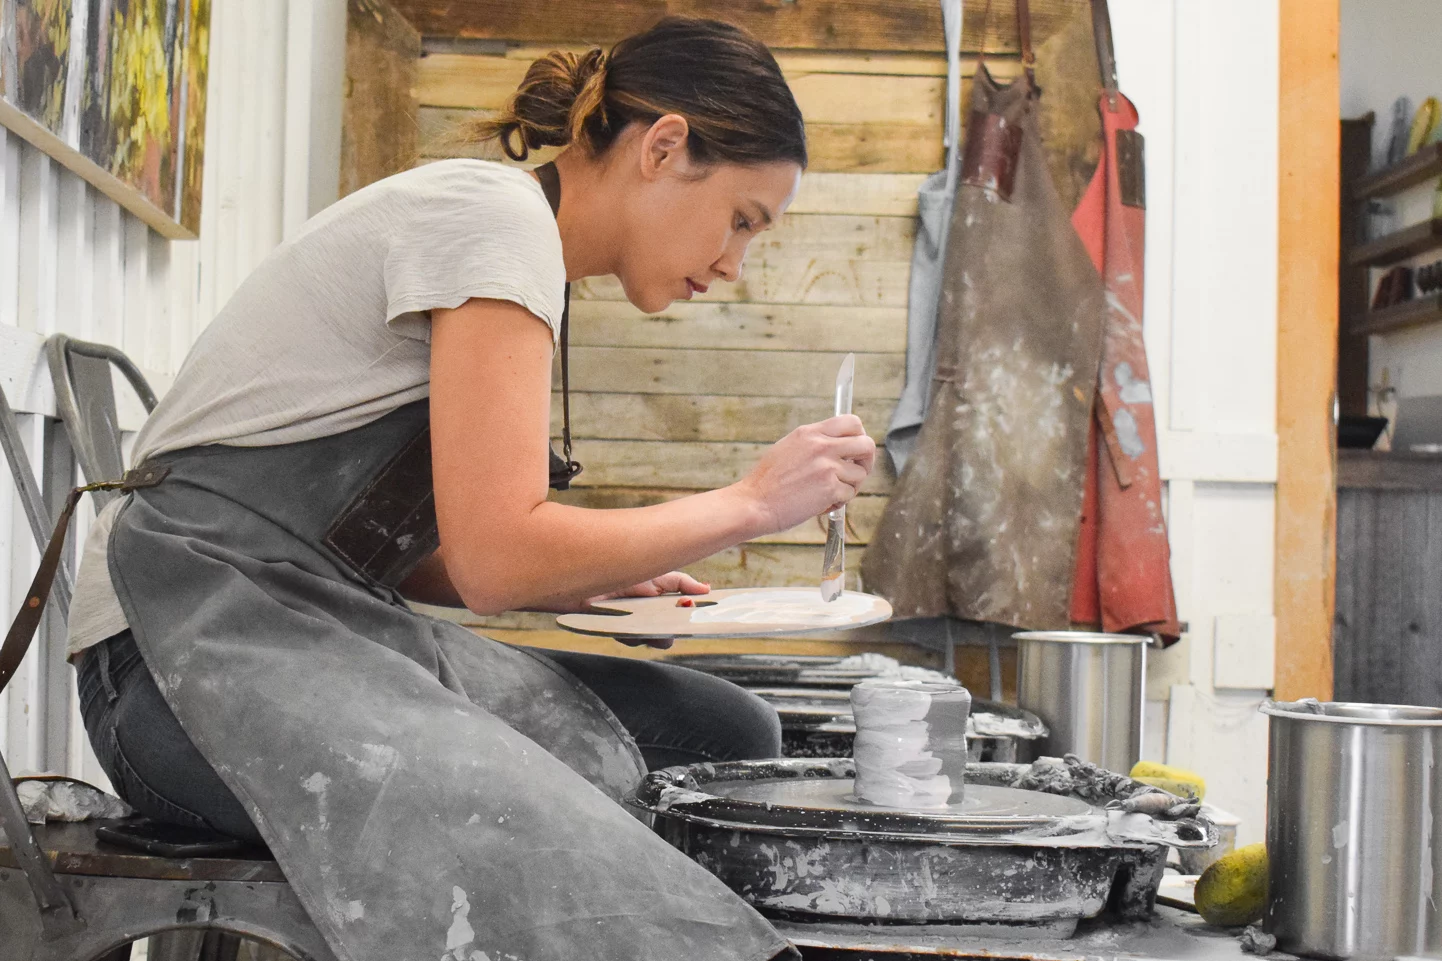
(814, 469)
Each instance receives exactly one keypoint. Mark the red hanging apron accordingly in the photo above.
(1122, 579)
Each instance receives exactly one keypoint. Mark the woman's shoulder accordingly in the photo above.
(440, 197)
(464, 182)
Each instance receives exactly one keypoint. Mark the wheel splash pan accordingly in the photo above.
(786, 836)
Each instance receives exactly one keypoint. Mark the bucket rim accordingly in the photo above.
(1354, 712)
(1080, 637)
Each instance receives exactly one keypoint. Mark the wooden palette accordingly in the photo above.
(660, 617)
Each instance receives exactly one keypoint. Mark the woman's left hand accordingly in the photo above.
(675, 582)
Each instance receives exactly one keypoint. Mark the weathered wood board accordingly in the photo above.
(685, 465)
(742, 326)
(904, 25)
(690, 417)
(382, 60)
(720, 372)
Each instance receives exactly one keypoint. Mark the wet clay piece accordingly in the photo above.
(910, 743)
(739, 612)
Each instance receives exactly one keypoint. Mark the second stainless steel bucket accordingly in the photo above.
(1088, 688)
(1354, 799)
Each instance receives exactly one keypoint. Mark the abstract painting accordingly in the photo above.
(119, 87)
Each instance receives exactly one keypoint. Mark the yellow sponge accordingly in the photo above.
(1232, 891)
(1178, 781)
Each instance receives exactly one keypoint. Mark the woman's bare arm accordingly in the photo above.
(506, 547)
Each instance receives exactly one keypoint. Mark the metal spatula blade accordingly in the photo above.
(833, 562)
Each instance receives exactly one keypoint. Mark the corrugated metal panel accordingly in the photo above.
(1387, 632)
(72, 261)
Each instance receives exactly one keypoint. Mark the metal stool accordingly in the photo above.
(66, 895)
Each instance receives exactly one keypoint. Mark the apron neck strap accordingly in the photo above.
(1106, 51)
(1023, 31)
(550, 179)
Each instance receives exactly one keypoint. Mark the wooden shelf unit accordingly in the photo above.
(1423, 165)
(1409, 313)
(1397, 247)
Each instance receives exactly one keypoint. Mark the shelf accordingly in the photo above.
(1383, 470)
(1423, 165)
(1397, 247)
(1409, 313)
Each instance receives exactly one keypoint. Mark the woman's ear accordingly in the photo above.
(663, 148)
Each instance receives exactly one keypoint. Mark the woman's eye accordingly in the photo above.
(743, 225)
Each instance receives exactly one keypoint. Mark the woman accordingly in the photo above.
(429, 793)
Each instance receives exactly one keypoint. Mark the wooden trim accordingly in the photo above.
(913, 26)
(15, 120)
(1353, 289)
(1307, 263)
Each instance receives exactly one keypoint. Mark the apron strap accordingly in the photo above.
(1023, 30)
(1023, 33)
(951, 20)
(1106, 51)
(563, 473)
(22, 629)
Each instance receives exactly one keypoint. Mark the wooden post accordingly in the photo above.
(1306, 346)
(378, 128)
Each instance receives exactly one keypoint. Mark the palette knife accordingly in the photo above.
(833, 564)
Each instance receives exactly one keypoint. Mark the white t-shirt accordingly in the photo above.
(332, 330)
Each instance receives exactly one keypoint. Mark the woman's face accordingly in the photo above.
(687, 226)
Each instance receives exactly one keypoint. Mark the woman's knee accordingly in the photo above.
(755, 727)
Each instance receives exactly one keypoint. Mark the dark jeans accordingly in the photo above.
(676, 715)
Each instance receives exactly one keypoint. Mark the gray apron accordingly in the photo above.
(427, 792)
(983, 523)
(934, 200)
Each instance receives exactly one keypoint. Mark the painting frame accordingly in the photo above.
(114, 91)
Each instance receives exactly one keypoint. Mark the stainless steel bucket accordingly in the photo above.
(1354, 795)
(1089, 690)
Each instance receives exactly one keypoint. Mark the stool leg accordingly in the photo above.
(220, 946)
(181, 945)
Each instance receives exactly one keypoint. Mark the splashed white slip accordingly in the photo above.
(910, 747)
(736, 612)
(800, 607)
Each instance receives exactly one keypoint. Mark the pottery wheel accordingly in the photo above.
(983, 802)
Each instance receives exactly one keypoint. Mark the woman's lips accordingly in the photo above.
(696, 288)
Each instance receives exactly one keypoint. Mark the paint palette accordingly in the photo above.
(737, 612)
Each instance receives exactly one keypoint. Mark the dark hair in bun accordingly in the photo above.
(724, 81)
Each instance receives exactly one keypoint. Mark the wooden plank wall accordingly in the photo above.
(686, 400)
(1387, 632)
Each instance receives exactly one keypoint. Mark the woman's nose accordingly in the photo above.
(730, 266)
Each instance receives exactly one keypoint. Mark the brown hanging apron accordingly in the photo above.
(983, 523)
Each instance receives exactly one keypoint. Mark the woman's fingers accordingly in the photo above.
(853, 475)
(680, 582)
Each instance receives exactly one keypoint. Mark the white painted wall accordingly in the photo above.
(1211, 321)
(72, 261)
(1390, 48)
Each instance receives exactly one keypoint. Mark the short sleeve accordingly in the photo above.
(473, 230)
